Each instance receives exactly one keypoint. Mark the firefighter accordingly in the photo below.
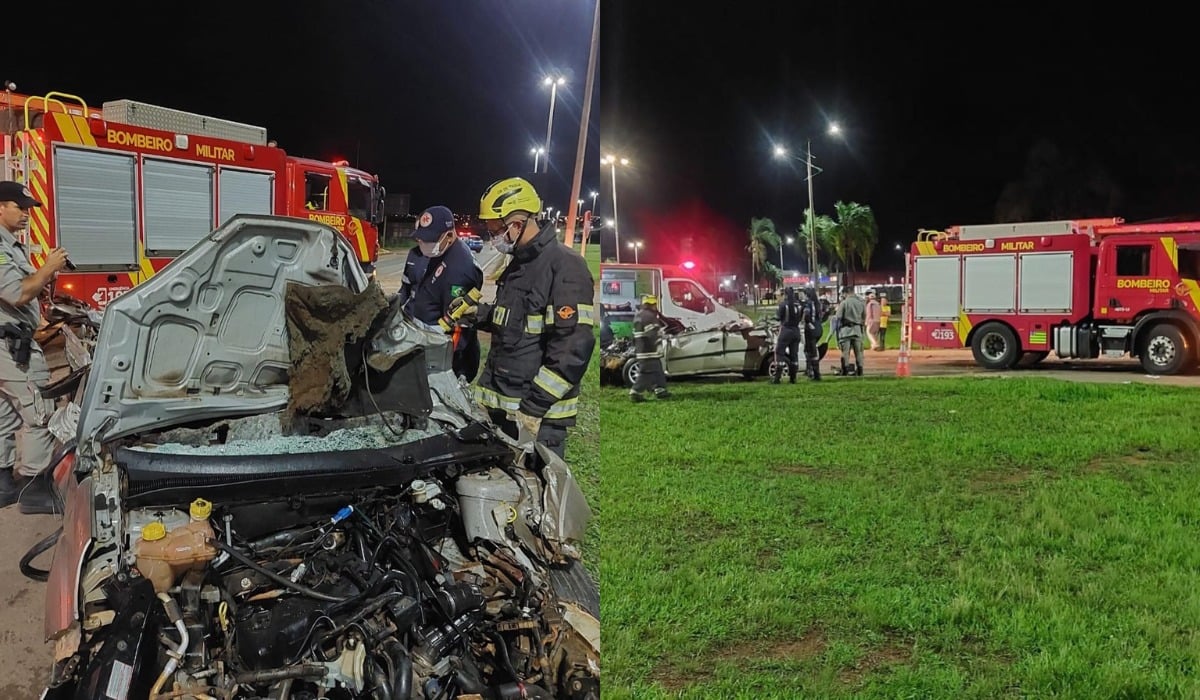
(437, 271)
(647, 327)
(540, 322)
(23, 366)
(812, 313)
(787, 346)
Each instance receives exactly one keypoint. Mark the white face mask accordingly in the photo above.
(433, 250)
(503, 244)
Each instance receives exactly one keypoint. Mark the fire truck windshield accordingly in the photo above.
(361, 196)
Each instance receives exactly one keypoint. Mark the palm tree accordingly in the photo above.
(825, 241)
(762, 236)
(854, 235)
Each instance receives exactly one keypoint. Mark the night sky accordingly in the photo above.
(992, 112)
(440, 98)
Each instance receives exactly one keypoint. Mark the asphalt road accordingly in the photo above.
(25, 657)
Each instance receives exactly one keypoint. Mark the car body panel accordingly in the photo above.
(207, 337)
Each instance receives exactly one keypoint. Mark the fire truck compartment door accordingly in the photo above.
(179, 205)
(989, 283)
(96, 206)
(1046, 280)
(936, 280)
(244, 192)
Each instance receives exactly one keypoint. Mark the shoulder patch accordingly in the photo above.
(456, 290)
(565, 312)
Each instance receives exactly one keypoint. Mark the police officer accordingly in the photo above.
(812, 312)
(540, 322)
(23, 368)
(439, 270)
(647, 325)
(787, 346)
(852, 319)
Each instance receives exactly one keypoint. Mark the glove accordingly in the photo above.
(460, 308)
(527, 424)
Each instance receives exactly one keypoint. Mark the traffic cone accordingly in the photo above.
(902, 361)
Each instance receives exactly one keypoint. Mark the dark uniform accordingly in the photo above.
(813, 313)
(541, 338)
(787, 346)
(431, 284)
(647, 325)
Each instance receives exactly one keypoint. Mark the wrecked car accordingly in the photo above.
(279, 489)
(734, 347)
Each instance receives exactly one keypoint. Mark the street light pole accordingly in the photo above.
(594, 195)
(612, 163)
(812, 225)
(535, 152)
(553, 83)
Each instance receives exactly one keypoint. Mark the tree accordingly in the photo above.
(762, 236)
(825, 240)
(855, 233)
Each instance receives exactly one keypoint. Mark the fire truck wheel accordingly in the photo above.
(1164, 350)
(995, 346)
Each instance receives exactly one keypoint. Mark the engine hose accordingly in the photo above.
(380, 681)
(30, 571)
(515, 691)
(502, 650)
(402, 680)
(281, 580)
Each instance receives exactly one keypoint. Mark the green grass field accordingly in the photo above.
(901, 538)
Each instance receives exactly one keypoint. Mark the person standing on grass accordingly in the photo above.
(647, 327)
(872, 320)
(852, 316)
(787, 346)
(885, 311)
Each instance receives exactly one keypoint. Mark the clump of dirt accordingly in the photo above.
(321, 321)
(674, 677)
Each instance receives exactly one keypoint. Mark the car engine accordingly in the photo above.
(422, 591)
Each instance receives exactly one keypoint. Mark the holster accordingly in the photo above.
(20, 341)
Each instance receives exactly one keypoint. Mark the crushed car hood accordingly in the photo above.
(207, 336)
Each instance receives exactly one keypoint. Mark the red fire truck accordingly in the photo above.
(129, 186)
(1082, 289)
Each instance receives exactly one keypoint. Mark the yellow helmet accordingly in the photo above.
(649, 299)
(504, 197)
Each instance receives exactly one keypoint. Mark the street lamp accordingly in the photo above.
(535, 152)
(789, 240)
(553, 82)
(782, 152)
(594, 195)
(612, 161)
(636, 245)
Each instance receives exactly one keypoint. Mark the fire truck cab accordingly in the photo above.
(128, 187)
(1091, 288)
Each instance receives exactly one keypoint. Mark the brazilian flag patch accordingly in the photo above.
(456, 290)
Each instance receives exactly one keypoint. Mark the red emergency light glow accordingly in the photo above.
(688, 264)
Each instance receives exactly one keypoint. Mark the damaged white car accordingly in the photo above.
(279, 489)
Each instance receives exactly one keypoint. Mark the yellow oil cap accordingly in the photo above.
(154, 531)
(201, 509)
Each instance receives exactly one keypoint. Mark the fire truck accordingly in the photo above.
(1085, 288)
(129, 186)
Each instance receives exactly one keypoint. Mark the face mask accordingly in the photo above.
(491, 259)
(432, 250)
(503, 244)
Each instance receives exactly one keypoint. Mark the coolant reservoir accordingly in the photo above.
(488, 502)
(164, 555)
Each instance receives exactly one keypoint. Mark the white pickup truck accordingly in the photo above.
(679, 296)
